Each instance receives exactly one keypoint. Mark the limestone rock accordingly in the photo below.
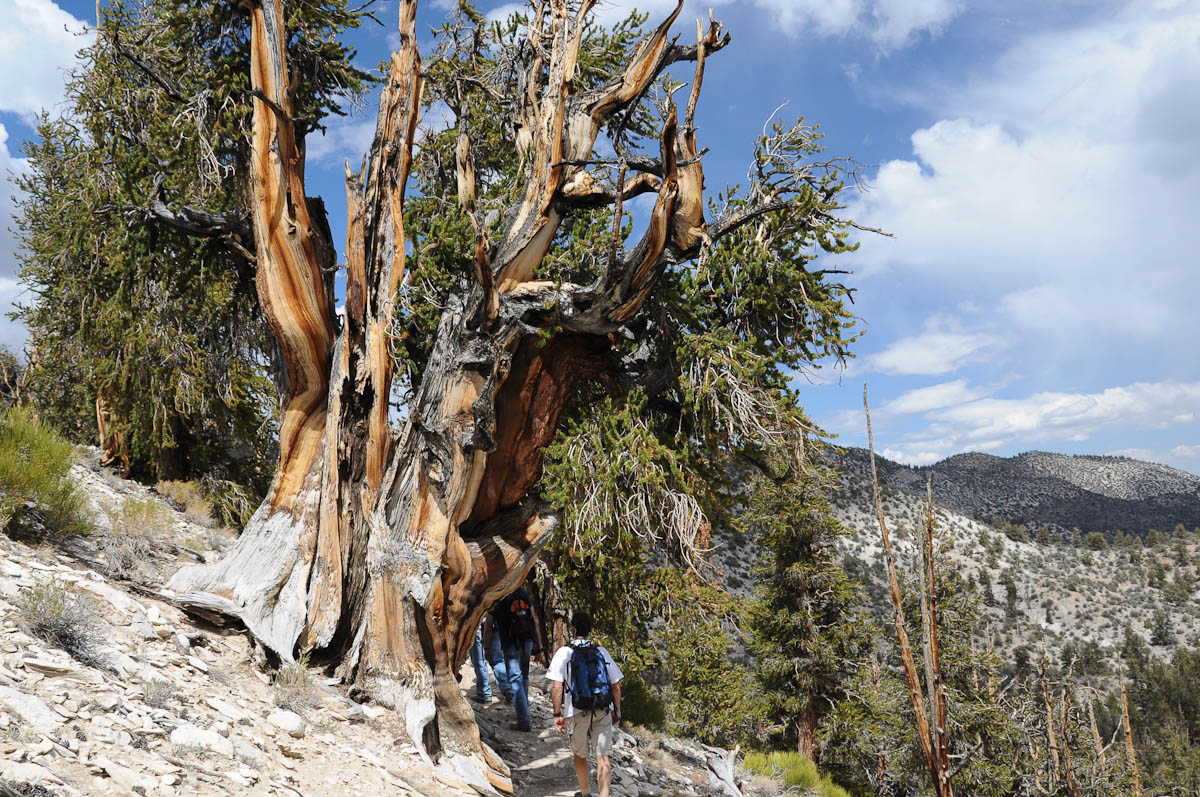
(121, 775)
(32, 709)
(191, 736)
(26, 773)
(288, 721)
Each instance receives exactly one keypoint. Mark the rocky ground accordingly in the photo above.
(165, 705)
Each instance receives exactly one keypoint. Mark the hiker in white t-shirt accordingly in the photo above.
(586, 667)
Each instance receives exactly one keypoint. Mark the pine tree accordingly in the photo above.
(145, 331)
(807, 637)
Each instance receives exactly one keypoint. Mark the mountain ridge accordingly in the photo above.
(1037, 489)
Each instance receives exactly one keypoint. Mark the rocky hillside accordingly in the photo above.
(1066, 596)
(1037, 489)
(108, 688)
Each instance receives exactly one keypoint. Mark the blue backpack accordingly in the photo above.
(588, 681)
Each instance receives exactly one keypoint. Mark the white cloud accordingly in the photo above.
(9, 166)
(38, 41)
(347, 138)
(890, 24)
(1062, 183)
(896, 22)
(1186, 452)
(1072, 416)
(907, 457)
(933, 397)
(12, 334)
(942, 347)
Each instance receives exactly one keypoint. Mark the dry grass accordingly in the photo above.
(158, 693)
(188, 497)
(60, 615)
(138, 530)
(295, 688)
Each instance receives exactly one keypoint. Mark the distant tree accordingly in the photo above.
(1156, 539)
(1010, 594)
(1095, 541)
(806, 637)
(1179, 546)
(985, 588)
(1134, 652)
(1022, 658)
(1179, 589)
(1161, 632)
(1044, 536)
(1158, 574)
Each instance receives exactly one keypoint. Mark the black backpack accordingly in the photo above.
(520, 618)
(588, 681)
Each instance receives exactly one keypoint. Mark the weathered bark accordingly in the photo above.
(377, 551)
(806, 743)
(114, 447)
(942, 786)
(1130, 751)
(1051, 736)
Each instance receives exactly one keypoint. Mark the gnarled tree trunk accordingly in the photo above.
(382, 551)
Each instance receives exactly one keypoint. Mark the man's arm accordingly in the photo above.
(616, 690)
(556, 700)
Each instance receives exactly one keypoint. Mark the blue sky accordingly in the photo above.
(1038, 164)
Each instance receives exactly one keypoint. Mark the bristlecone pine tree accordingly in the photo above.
(380, 550)
(145, 335)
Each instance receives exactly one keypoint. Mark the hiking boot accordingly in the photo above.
(508, 696)
(523, 727)
(487, 701)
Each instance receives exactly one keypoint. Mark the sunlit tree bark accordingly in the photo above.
(380, 550)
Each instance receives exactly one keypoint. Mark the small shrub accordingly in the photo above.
(790, 767)
(146, 516)
(35, 465)
(60, 615)
(157, 693)
(188, 497)
(137, 531)
(295, 688)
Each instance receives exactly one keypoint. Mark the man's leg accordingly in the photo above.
(602, 745)
(521, 687)
(512, 665)
(483, 681)
(603, 774)
(581, 774)
(578, 726)
(498, 667)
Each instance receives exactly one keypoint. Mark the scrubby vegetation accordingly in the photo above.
(35, 485)
(794, 771)
(295, 687)
(57, 613)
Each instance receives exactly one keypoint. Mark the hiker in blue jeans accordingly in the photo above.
(485, 650)
(516, 623)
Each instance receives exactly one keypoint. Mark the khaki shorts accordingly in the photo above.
(594, 730)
